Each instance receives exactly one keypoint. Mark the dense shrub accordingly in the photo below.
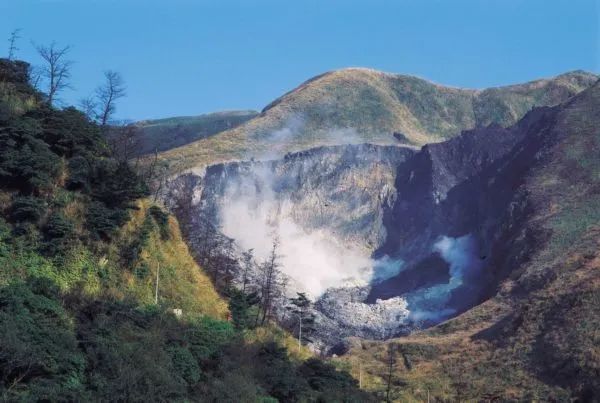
(162, 220)
(103, 221)
(207, 337)
(27, 208)
(278, 375)
(26, 162)
(116, 184)
(38, 348)
(79, 174)
(68, 132)
(185, 364)
(322, 376)
(243, 308)
(60, 234)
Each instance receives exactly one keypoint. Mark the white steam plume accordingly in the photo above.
(252, 213)
(461, 255)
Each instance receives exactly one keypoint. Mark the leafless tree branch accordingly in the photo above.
(56, 70)
(108, 93)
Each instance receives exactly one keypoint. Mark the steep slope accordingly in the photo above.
(100, 298)
(536, 334)
(361, 105)
(165, 134)
(498, 225)
(340, 189)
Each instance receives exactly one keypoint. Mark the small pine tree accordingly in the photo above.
(304, 319)
(240, 306)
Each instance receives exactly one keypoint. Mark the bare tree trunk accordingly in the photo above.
(12, 48)
(391, 364)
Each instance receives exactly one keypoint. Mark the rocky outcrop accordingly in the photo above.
(395, 238)
(342, 189)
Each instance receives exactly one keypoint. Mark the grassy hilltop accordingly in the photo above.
(358, 105)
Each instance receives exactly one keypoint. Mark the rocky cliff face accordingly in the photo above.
(325, 205)
(340, 189)
(455, 201)
(386, 239)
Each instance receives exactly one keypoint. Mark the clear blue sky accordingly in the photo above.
(184, 57)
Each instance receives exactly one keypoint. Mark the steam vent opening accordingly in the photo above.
(384, 240)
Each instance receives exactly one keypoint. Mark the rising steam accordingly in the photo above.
(461, 255)
(254, 213)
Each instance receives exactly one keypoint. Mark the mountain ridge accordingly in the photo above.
(358, 105)
(156, 135)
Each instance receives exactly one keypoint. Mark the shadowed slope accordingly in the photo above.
(165, 134)
(536, 338)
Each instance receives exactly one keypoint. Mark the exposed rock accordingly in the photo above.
(458, 198)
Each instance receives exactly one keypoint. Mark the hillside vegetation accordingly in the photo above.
(81, 249)
(537, 338)
(362, 105)
(165, 134)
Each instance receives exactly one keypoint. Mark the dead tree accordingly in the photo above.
(107, 94)
(124, 141)
(155, 171)
(160, 176)
(56, 69)
(12, 43)
(223, 265)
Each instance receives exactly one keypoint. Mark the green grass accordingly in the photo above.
(165, 134)
(362, 105)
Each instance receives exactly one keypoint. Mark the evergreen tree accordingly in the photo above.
(240, 306)
(301, 315)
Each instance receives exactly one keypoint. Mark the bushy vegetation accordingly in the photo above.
(81, 252)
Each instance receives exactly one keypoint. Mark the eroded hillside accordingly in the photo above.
(498, 225)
